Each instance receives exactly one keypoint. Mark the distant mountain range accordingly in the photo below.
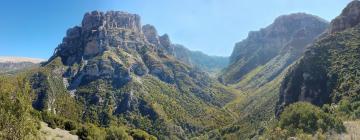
(10, 64)
(11, 59)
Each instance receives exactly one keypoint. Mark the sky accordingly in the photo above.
(34, 28)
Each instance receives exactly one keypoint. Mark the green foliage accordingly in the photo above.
(70, 125)
(91, 132)
(331, 67)
(141, 135)
(307, 118)
(254, 108)
(117, 133)
(15, 109)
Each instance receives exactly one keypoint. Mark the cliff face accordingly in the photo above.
(273, 48)
(328, 72)
(258, 65)
(119, 71)
(349, 17)
(209, 64)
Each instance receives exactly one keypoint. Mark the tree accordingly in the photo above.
(307, 118)
(15, 109)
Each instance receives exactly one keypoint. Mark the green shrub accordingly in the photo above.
(117, 133)
(141, 135)
(91, 132)
(70, 125)
(307, 118)
(16, 121)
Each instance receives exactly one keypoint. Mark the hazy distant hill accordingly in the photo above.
(208, 63)
(8, 64)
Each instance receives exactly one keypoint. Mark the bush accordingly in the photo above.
(307, 118)
(70, 125)
(141, 135)
(16, 121)
(117, 133)
(91, 132)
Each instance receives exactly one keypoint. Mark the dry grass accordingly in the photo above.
(47, 133)
(353, 131)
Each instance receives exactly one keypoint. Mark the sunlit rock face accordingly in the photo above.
(328, 71)
(113, 64)
(274, 47)
(349, 17)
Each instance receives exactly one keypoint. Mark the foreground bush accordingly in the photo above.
(16, 121)
(307, 118)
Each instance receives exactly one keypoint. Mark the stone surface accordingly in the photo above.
(151, 34)
(285, 39)
(349, 17)
(328, 71)
(120, 70)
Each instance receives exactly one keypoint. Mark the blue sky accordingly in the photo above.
(33, 28)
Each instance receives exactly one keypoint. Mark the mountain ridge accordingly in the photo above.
(17, 59)
(283, 42)
(318, 77)
(114, 70)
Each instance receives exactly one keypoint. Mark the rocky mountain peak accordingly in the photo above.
(162, 42)
(349, 17)
(151, 34)
(288, 34)
(111, 19)
(100, 31)
(321, 75)
(289, 24)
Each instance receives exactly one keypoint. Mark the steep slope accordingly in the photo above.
(210, 64)
(10, 64)
(273, 48)
(329, 71)
(258, 65)
(111, 70)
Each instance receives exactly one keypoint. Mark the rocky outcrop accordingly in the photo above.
(113, 66)
(328, 72)
(114, 19)
(274, 47)
(99, 32)
(349, 17)
(151, 34)
(210, 64)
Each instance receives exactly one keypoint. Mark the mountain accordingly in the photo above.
(257, 67)
(329, 71)
(113, 78)
(273, 48)
(111, 71)
(210, 64)
(11, 64)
